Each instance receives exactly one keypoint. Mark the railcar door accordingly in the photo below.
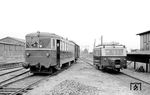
(75, 52)
(58, 53)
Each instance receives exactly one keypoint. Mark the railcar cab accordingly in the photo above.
(46, 50)
(39, 51)
(111, 56)
(41, 40)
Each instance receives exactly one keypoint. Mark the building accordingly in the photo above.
(144, 41)
(11, 49)
(141, 57)
(12, 40)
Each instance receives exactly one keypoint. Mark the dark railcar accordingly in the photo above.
(45, 52)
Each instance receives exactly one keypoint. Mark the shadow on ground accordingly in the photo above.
(110, 71)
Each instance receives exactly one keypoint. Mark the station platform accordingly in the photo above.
(140, 75)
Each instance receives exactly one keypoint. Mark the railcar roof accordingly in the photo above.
(43, 34)
(46, 34)
(109, 46)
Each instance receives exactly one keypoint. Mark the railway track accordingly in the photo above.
(6, 89)
(7, 66)
(11, 71)
(121, 73)
(2, 83)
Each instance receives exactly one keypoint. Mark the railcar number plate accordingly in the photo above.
(117, 66)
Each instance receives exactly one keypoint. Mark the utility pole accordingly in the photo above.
(101, 40)
(94, 43)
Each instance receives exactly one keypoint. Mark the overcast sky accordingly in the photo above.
(79, 20)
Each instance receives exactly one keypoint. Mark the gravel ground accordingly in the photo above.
(81, 79)
(71, 87)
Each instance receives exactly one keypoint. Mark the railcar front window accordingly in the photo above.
(114, 51)
(32, 42)
(36, 42)
(44, 43)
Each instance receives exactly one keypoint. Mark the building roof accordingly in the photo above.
(17, 41)
(143, 33)
(2, 42)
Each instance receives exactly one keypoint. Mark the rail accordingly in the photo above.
(148, 83)
(6, 66)
(2, 82)
(18, 91)
(29, 86)
(11, 72)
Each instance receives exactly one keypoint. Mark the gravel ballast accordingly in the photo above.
(81, 79)
(71, 87)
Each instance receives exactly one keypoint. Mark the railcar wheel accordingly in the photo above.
(25, 65)
(69, 64)
(57, 67)
(97, 67)
(100, 67)
(118, 70)
(51, 70)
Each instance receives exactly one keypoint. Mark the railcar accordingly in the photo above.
(110, 56)
(46, 52)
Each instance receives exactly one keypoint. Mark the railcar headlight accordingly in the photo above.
(40, 46)
(47, 54)
(124, 59)
(27, 54)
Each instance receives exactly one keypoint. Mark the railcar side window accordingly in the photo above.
(63, 46)
(49, 45)
(53, 43)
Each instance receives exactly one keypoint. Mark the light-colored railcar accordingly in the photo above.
(110, 56)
